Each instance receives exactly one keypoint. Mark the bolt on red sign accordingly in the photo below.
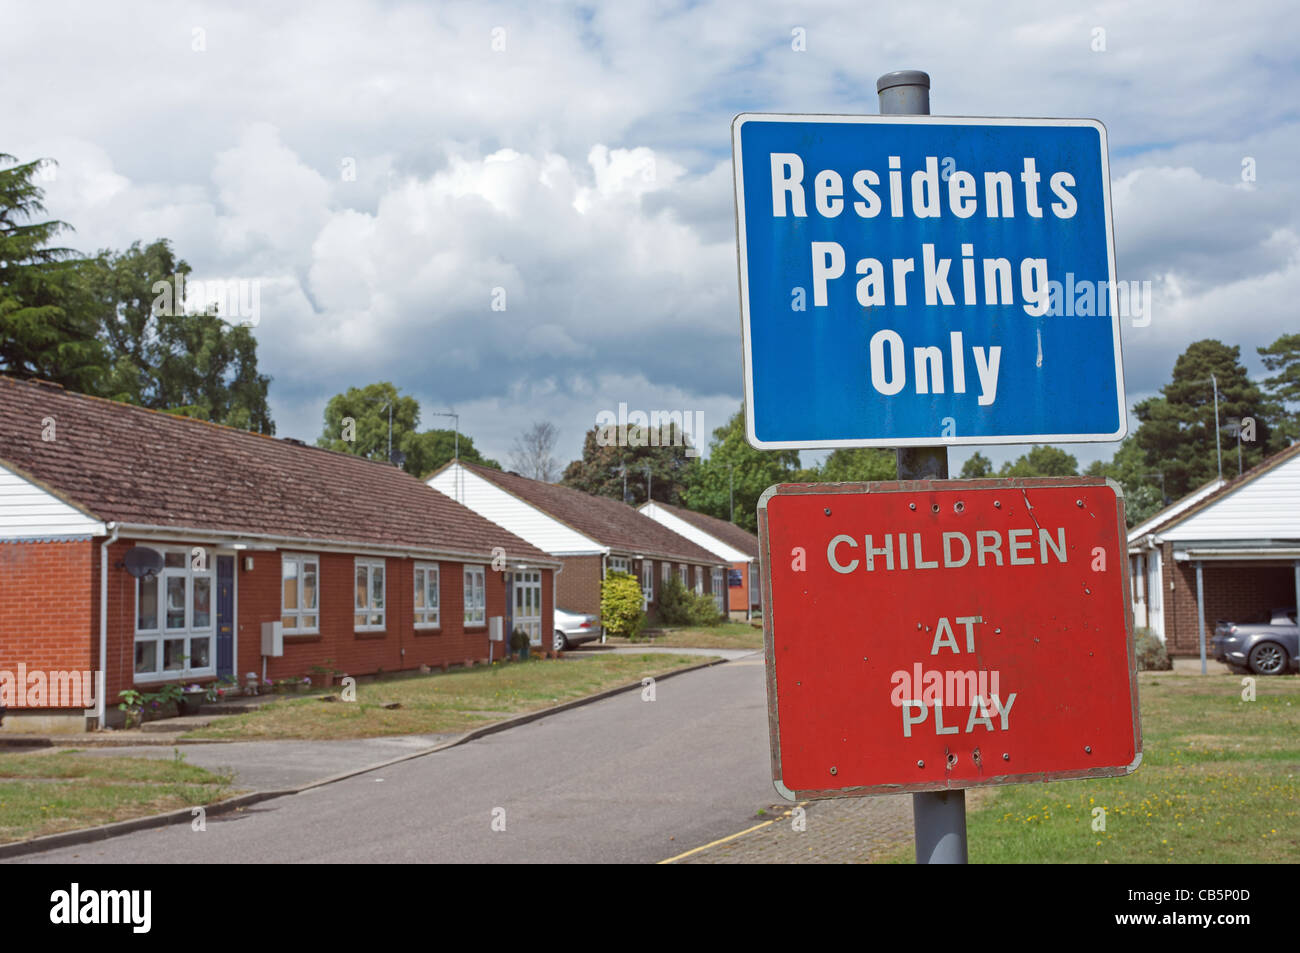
(928, 635)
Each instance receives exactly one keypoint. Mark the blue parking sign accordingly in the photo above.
(926, 280)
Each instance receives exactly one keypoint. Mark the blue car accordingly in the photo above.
(1270, 647)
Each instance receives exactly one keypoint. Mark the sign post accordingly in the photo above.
(920, 282)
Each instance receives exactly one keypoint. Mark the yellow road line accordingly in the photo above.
(723, 840)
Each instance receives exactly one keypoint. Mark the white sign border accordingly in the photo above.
(737, 124)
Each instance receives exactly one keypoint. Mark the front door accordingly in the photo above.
(528, 605)
(225, 616)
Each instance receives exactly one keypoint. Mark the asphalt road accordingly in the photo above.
(618, 781)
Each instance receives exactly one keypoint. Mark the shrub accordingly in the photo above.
(620, 605)
(679, 606)
(1151, 654)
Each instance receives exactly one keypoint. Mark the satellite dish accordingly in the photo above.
(142, 562)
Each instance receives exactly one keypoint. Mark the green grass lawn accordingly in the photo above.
(455, 701)
(727, 635)
(1219, 783)
(55, 791)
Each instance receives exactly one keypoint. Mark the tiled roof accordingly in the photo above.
(610, 522)
(128, 464)
(729, 533)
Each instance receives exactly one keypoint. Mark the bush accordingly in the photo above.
(1151, 654)
(620, 605)
(679, 606)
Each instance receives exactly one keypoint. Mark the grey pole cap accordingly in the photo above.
(903, 77)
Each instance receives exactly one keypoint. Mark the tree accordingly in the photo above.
(430, 449)
(978, 467)
(162, 356)
(46, 330)
(532, 454)
(751, 472)
(621, 605)
(1176, 432)
(858, 465)
(356, 421)
(1283, 357)
(635, 457)
(1143, 494)
(1041, 461)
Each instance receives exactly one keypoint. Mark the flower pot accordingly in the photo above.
(190, 702)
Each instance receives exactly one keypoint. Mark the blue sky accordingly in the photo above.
(583, 166)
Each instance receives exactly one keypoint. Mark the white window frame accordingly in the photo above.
(525, 583)
(432, 591)
(620, 564)
(647, 584)
(699, 580)
(667, 572)
(684, 575)
(301, 559)
(719, 590)
(160, 634)
(369, 609)
(475, 597)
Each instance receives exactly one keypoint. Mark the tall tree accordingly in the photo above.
(635, 458)
(751, 472)
(1176, 433)
(1283, 358)
(45, 328)
(162, 356)
(533, 454)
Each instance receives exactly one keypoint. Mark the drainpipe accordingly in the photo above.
(101, 703)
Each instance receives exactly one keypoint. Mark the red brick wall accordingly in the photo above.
(48, 597)
(577, 588)
(1233, 590)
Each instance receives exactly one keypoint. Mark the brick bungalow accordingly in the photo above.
(1232, 546)
(363, 565)
(591, 534)
(725, 540)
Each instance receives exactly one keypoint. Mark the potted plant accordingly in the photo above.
(191, 699)
(519, 643)
(132, 704)
(325, 674)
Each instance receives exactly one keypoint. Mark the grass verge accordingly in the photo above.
(55, 791)
(1219, 783)
(442, 703)
(727, 635)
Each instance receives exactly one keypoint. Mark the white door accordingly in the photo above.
(528, 605)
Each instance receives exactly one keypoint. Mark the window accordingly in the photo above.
(475, 595)
(369, 600)
(174, 624)
(681, 572)
(299, 593)
(699, 580)
(426, 596)
(719, 591)
(668, 571)
(618, 564)
(647, 584)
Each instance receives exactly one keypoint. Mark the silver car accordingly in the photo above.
(574, 628)
(1265, 648)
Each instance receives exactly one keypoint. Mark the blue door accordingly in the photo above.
(225, 615)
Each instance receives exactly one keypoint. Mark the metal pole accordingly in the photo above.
(939, 817)
(390, 431)
(731, 492)
(1218, 449)
(1200, 610)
